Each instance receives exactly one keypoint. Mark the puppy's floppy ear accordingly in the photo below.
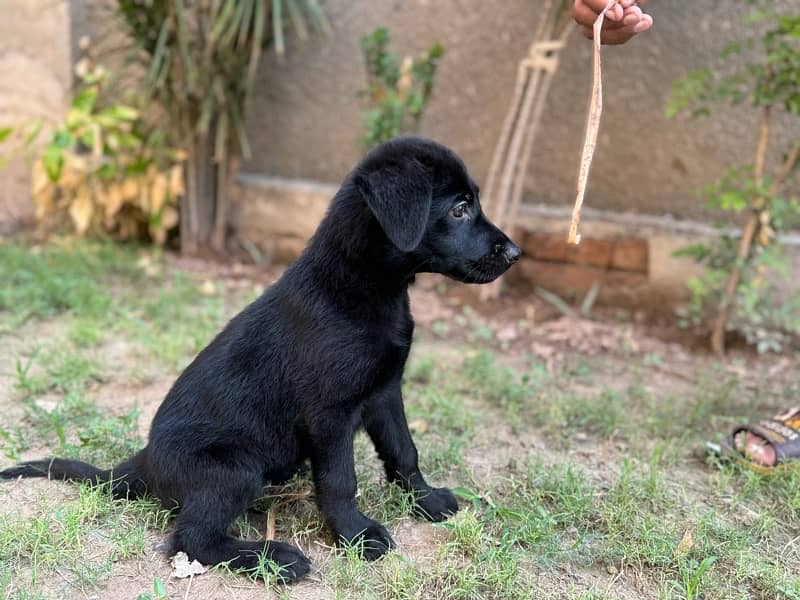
(399, 195)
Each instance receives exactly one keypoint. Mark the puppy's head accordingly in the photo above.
(429, 208)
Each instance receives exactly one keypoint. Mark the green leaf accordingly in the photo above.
(733, 200)
(53, 161)
(465, 494)
(33, 133)
(277, 26)
(120, 112)
(84, 100)
(159, 588)
(697, 252)
(62, 139)
(5, 132)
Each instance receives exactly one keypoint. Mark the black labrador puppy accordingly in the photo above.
(320, 354)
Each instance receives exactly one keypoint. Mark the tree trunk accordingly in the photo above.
(204, 210)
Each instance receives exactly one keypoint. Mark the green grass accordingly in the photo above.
(603, 476)
(107, 291)
(62, 277)
(81, 537)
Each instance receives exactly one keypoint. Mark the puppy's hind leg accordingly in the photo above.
(201, 530)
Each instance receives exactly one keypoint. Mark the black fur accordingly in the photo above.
(318, 355)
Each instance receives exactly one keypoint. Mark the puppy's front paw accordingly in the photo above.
(437, 505)
(292, 563)
(372, 540)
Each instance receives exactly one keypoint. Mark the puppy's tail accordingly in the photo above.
(126, 480)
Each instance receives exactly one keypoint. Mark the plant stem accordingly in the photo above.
(748, 234)
(220, 212)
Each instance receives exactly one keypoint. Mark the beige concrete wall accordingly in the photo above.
(35, 76)
(306, 118)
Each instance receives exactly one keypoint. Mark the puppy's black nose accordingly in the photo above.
(512, 252)
(509, 250)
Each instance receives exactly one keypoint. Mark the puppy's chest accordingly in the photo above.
(391, 340)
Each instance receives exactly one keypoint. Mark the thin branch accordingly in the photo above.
(786, 170)
(750, 229)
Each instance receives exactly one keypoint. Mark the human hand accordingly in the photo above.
(624, 20)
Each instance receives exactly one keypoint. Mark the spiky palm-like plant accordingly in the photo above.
(201, 58)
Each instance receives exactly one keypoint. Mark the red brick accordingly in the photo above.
(545, 246)
(591, 252)
(567, 278)
(630, 255)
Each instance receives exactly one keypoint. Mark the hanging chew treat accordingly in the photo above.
(592, 127)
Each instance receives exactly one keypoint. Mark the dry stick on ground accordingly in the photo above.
(592, 128)
(284, 499)
(750, 229)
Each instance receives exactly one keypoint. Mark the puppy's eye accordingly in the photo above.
(459, 210)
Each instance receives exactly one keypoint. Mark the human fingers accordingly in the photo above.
(612, 36)
(585, 15)
(586, 11)
(645, 23)
(635, 17)
(632, 15)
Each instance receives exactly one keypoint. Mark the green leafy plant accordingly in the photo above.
(737, 290)
(201, 58)
(692, 574)
(397, 90)
(102, 170)
(159, 591)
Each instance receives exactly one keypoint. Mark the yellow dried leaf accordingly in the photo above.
(130, 189)
(176, 181)
(97, 143)
(81, 209)
(72, 175)
(144, 196)
(77, 163)
(168, 220)
(169, 217)
(158, 193)
(42, 191)
(404, 84)
(158, 234)
(113, 199)
(685, 544)
(39, 179)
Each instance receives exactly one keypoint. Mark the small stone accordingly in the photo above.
(418, 426)
(507, 334)
(208, 288)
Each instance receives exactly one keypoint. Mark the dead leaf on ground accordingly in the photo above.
(182, 568)
(418, 426)
(685, 544)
